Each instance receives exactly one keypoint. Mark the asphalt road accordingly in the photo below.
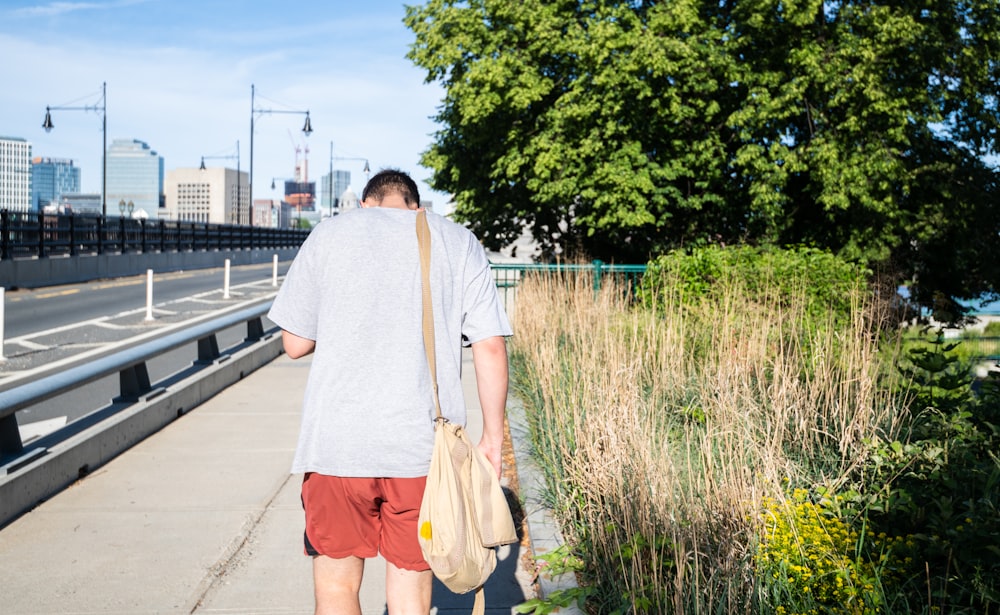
(60, 326)
(34, 311)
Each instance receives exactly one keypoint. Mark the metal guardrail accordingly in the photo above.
(39, 235)
(129, 364)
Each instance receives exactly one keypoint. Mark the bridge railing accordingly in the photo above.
(39, 235)
(509, 275)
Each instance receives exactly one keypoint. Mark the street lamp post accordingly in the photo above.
(256, 111)
(102, 108)
(239, 180)
(367, 170)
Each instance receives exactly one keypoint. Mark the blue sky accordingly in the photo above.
(179, 75)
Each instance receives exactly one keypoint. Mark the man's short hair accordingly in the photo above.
(392, 181)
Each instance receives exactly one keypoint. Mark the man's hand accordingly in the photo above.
(492, 455)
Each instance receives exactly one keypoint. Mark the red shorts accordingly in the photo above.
(363, 517)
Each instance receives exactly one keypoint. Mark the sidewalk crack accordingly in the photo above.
(236, 553)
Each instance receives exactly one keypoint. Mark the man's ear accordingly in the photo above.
(368, 203)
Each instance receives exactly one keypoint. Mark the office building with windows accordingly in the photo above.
(135, 175)
(81, 203)
(213, 195)
(330, 198)
(50, 179)
(15, 174)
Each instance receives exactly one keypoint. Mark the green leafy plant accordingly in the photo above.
(942, 484)
(559, 561)
(825, 283)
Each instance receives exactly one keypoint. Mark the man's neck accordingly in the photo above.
(391, 201)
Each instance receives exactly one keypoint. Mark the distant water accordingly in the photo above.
(990, 309)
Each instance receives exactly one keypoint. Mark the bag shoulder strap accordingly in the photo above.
(424, 242)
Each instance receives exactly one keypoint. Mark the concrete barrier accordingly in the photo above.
(57, 270)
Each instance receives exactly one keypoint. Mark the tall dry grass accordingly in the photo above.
(662, 430)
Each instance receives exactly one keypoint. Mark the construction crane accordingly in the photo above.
(303, 195)
(301, 172)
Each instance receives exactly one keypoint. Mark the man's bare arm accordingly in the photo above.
(489, 356)
(296, 346)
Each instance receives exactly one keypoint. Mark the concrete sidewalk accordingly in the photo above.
(203, 517)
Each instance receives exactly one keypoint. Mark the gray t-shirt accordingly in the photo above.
(355, 289)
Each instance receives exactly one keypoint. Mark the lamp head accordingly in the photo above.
(47, 124)
(202, 167)
(307, 128)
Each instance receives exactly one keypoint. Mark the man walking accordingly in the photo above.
(353, 297)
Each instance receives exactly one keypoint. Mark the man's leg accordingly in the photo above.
(407, 592)
(337, 583)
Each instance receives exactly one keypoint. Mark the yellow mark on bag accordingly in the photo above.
(425, 530)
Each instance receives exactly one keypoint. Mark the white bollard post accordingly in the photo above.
(274, 272)
(225, 282)
(3, 318)
(149, 294)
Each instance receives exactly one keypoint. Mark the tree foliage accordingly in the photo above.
(623, 129)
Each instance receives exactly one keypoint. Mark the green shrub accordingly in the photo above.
(941, 485)
(771, 276)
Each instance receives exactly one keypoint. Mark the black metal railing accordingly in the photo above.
(39, 235)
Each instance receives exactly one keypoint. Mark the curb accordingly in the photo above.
(543, 531)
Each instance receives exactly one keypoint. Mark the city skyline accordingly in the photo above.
(179, 76)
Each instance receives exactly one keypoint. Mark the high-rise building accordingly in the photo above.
(50, 179)
(330, 198)
(135, 175)
(213, 194)
(15, 174)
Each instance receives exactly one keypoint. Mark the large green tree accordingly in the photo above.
(621, 129)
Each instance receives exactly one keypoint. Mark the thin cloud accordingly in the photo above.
(60, 8)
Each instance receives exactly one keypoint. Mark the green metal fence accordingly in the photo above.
(987, 348)
(509, 275)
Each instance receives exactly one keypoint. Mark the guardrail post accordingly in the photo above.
(5, 232)
(208, 350)
(598, 266)
(3, 319)
(134, 382)
(41, 235)
(72, 235)
(255, 330)
(121, 235)
(10, 436)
